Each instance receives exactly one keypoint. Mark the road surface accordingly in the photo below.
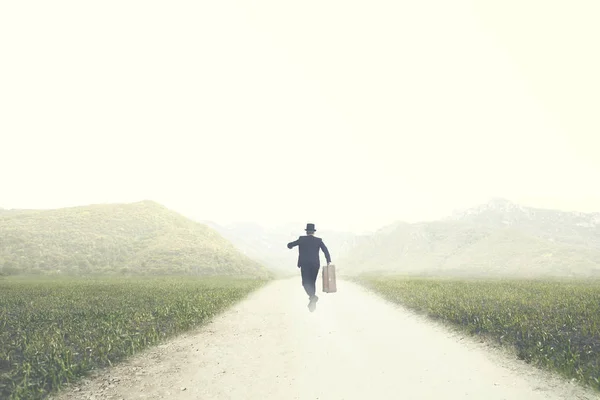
(354, 346)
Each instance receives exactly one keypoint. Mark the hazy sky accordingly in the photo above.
(343, 113)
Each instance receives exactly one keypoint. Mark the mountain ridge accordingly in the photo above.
(498, 238)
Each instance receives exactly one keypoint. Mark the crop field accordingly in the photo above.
(53, 331)
(551, 324)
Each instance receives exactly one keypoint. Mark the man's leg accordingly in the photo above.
(309, 279)
(313, 280)
(311, 287)
(306, 279)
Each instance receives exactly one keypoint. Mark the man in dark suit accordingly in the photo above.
(309, 262)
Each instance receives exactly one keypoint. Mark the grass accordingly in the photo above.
(53, 331)
(551, 324)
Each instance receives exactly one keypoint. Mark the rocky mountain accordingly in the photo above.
(499, 238)
(571, 228)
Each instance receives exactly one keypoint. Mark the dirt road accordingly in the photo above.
(354, 346)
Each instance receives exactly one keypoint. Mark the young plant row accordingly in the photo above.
(551, 324)
(54, 331)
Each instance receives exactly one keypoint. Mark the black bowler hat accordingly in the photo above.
(310, 228)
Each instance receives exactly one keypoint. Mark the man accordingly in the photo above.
(308, 261)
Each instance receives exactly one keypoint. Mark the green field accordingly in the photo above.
(53, 331)
(550, 324)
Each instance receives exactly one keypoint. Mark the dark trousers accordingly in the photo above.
(309, 278)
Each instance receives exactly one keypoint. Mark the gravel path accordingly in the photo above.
(354, 346)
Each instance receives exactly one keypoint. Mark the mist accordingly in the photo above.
(348, 115)
(157, 157)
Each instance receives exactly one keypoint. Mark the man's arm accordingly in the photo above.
(291, 245)
(326, 251)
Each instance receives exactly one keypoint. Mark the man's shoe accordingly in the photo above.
(312, 305)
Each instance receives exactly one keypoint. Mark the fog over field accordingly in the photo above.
(156, 158)
(349, 115)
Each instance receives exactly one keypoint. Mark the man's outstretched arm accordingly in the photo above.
(326, 251)
(291, 245)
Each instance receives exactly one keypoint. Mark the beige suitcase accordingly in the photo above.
(329, 285)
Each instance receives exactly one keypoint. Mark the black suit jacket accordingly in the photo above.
(308, 250)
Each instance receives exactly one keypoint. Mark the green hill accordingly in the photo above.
(137, 238)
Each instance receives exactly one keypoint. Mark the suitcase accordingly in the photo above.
(329, 285)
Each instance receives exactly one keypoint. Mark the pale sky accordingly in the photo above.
(347, 114)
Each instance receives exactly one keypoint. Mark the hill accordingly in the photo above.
(499, 238)
(137, 238)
